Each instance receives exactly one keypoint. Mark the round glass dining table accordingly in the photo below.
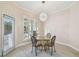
(43, 41)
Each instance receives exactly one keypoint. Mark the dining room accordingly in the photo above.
(39, 28)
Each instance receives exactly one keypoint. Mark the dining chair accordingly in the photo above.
(34, 44)
(51, 44)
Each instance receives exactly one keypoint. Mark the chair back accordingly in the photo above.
(34, 41)
(48, 35)
(34, 33)
(53, 40)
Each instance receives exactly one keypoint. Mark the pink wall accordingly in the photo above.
(58, 24)
(74, 26)
(65, 25)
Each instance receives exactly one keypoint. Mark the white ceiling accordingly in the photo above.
(48, 7)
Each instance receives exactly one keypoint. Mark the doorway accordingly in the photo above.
(8, 33)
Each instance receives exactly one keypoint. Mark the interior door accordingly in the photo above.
(8, 33)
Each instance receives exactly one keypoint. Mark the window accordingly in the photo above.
(29, 27)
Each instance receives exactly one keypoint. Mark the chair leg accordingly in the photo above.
(2, 54)
(54, 49)
(41, 49)
(51, 51)
(32, 50)
(36, 51)
(45, 48)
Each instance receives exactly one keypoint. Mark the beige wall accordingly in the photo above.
(0, 29)
(40, 27)
(65, 25)
(18, 13)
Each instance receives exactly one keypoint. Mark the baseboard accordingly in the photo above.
(68, 45)
(24, 43)
(19, 45)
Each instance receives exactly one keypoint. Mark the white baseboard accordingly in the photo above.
(68, 46)
(19, 45)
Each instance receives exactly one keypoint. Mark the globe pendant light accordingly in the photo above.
(43, 16)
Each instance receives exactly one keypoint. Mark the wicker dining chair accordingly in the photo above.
(51, 44)
(34, 44)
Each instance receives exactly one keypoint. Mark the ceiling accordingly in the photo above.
(37, 7)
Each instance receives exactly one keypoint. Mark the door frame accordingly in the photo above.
(2, 34)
